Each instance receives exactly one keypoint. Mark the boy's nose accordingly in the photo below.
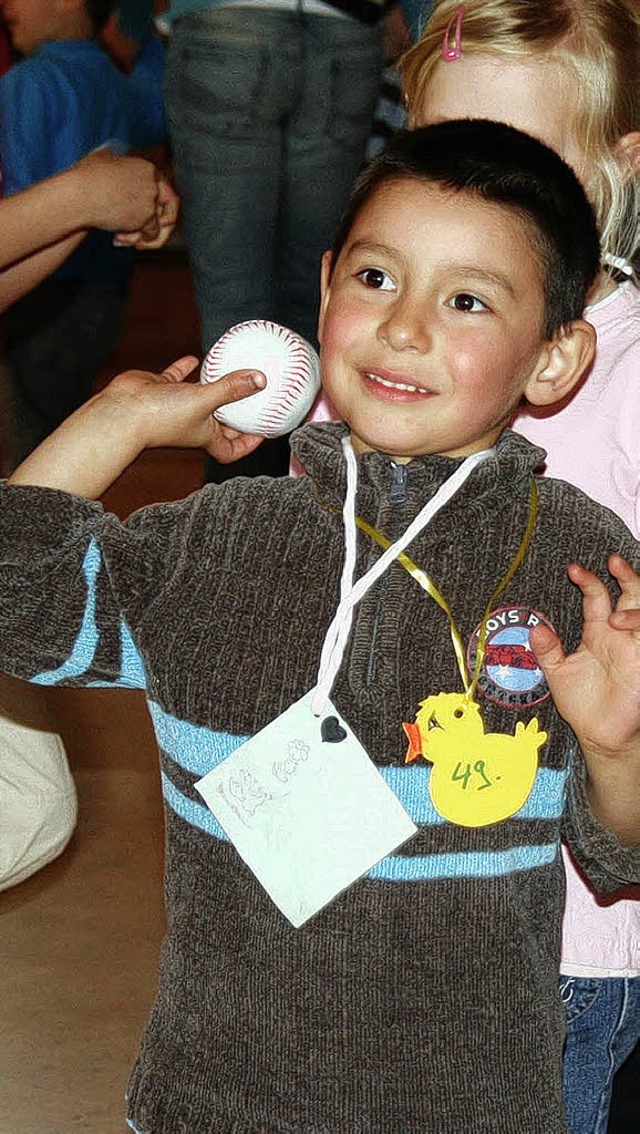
(405, 327)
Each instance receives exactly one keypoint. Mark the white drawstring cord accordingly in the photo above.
(338, 633)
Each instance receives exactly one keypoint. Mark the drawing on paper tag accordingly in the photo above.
(309, 814)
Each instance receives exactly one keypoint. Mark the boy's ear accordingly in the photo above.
(628, 148)
(325, 288)
(561, 364)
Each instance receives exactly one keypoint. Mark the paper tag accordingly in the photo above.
(308, 815)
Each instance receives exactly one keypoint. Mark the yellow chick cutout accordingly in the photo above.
(477, 778)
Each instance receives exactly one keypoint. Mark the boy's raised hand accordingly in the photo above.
(170, 411)
(597, 692)
(136, 411)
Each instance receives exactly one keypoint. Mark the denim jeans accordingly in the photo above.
(603, 1027)
(269, 114)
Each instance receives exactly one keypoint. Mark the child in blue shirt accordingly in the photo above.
(64, 99)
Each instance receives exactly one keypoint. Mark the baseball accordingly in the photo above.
(290, 365)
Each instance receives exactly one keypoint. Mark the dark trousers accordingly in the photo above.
(56, 339)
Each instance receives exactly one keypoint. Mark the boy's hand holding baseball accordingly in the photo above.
(169, 411)
(136, 411)
(597, 691)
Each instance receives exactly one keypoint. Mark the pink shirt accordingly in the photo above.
(593, 442)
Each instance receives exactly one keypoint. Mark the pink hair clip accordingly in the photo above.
(452, 41)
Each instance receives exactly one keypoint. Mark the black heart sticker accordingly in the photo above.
(332, 731)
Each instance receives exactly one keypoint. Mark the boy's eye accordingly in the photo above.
(466, 302)
(376, 278)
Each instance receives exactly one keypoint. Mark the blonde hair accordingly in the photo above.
(598, 41)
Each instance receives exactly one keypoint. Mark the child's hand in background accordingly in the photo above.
(119, 193)
(160, 226)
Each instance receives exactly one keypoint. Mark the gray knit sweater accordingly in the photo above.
(425, 998)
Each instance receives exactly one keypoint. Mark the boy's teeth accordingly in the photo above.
(393, 385)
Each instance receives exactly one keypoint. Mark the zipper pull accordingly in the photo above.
(398, 493)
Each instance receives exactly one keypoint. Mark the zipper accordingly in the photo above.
(397, 496)
(398, 491)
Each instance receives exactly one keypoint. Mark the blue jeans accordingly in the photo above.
(269, 114)
(603, 1027)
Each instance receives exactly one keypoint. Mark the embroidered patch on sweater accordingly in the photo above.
(510, 674)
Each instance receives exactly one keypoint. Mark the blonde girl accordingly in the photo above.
(568, 70)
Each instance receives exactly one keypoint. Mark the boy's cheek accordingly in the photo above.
(346, 321)
(336, 333)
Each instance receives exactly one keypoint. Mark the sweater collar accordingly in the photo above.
(318, 448)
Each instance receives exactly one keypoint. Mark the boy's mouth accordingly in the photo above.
(395, 385)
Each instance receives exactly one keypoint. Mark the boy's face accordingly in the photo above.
(534, 95)
(32, 22)
(431, 323)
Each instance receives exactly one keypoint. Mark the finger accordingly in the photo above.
(236, 385)
(627, 619)
(547, 648)
(160, 240)
(168, 202)
(168, 212)
(150, 228)
(180, 369)
(596, 600)
(125, 239)
(627, 580)
(226, 451)
(166, 192)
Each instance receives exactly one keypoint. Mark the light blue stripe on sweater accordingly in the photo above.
(85, 645)
(472, 864)
(195, 814)
(396, 868)
(195, 748)
(411, 785)
(547, 795)
(198, 749)
(132, 674)
(81, 658)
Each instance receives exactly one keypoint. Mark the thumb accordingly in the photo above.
(234, 386)
(547, 648)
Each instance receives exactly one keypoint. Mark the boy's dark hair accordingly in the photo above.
(99, 11)
(498, 163)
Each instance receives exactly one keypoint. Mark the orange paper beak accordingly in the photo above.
(415, 741)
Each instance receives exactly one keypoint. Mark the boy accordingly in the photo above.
(454, 289)
(64, 99)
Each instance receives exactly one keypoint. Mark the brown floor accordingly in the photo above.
(79, 941)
